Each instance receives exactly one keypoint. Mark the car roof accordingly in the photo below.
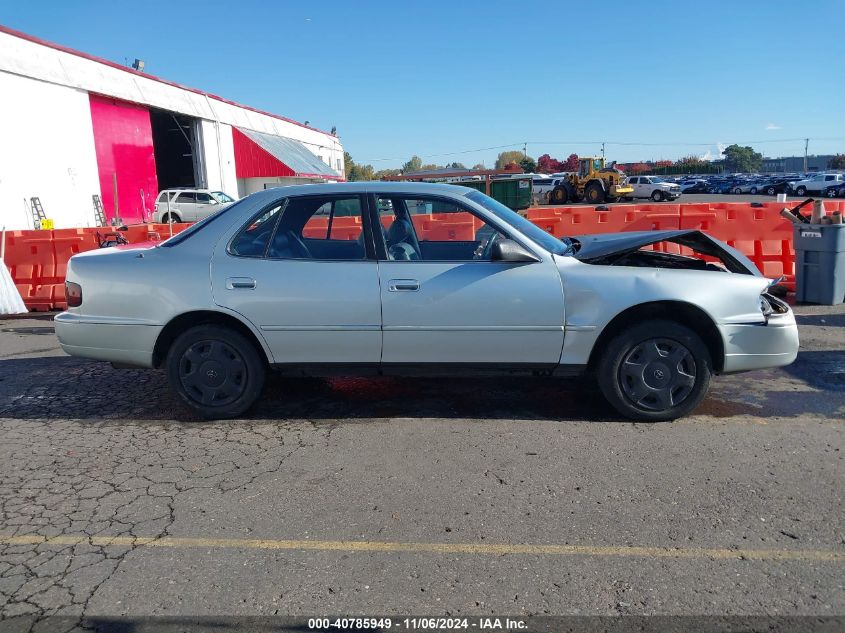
(370, 186)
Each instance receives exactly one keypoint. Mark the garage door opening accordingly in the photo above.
(177, 144)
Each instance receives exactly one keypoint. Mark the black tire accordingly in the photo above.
(594, 193)
(801, 191)
(753, 191)
(634, 363)
(831, 193)
(167, 218)
(770, 191)
(559, 195)
(737, 191)
(611, 199)
(200, 356)
(657, 195)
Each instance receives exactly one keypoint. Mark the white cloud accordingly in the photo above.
(772, 126)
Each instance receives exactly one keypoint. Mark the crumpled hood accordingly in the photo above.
(598, 246)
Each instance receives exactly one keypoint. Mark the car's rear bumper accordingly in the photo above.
(751, 346)
(129, 343)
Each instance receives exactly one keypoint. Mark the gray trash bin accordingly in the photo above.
(820, 263)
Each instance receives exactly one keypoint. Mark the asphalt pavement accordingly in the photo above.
(417, 496)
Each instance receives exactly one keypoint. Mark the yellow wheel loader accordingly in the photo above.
(593, 183)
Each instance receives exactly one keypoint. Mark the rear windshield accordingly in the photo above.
(524, 226)
(195, 228)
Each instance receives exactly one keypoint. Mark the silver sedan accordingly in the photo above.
(410, 278)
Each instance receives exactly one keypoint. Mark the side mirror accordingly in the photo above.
(213, 201)
(505, 250)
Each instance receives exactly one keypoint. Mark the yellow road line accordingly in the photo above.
(429, 548)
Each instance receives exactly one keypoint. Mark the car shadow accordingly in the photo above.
(65, 388)
(61, 388)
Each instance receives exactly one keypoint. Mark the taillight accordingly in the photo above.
(73, 294)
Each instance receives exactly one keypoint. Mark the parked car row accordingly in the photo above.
(829, 184)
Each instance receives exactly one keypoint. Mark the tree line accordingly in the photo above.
(736, 159)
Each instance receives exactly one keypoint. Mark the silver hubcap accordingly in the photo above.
(657, 374)
(212, 373)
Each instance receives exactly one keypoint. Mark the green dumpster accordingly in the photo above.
(514, 193)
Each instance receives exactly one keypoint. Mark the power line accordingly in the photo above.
(524, 145)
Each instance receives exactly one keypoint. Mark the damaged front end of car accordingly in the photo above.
(627, 249)
(632, 249)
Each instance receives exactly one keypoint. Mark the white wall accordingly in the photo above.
(24, 57)
(219, 156)
(46, 150)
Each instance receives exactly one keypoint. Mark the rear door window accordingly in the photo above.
(320, 228)
(186, 197)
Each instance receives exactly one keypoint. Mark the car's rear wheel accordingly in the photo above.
(753, 191)
(216, 371)
(657, 195)
(655, 371)
(737, 191)
(801, 191)
(167, 218)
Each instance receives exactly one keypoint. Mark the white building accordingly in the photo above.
(73, 126)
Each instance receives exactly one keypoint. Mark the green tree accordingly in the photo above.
(837, 162)
(479, 166)
(354, 171)
(742, 159)
(506, 158)
(457, 165)
(386, 172)
(528, 164)
(415, 164)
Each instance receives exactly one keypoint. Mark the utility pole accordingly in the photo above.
(806, 144)
(602, 150)
(525, 148)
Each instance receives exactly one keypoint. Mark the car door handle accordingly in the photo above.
(240, 283)
(403, 285)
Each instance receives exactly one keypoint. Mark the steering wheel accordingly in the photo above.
(487, 253)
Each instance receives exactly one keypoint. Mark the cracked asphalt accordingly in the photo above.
(411, 496)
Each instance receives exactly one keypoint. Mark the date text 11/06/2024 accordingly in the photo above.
(418, 624)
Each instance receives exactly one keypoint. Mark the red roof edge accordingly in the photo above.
(100, 60)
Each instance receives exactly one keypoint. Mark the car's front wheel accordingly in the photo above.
(216, 371)
(831, 193)
(657, 195)
(167, 218)
(801, 191)
(770, 191)
(654, 371)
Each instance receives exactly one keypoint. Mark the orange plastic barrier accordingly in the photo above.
(38, 260)
(760, 233)
(32, 264)
(66, 244)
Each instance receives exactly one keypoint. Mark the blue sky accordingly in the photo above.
(434, 78)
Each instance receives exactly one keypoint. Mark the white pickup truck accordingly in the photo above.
(816, 184)
(654, 187)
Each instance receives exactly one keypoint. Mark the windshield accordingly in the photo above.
(524, 226)
(194, 228)
(657, 179)
(222, 197)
